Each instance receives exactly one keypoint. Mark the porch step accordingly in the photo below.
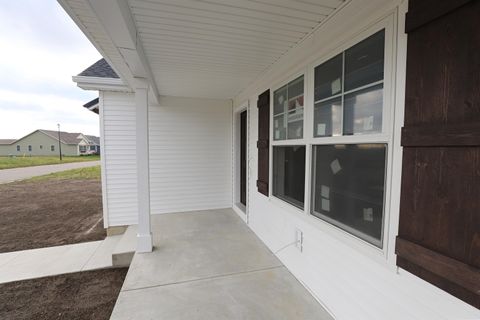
(125, 249)
(102, 257)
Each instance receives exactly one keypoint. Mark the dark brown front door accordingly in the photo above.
(243, 158)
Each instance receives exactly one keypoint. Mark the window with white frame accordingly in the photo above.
(52, 148)
(82, 149)
(288, 104)
(348, 188)
(29, 148)
(18, 148)
(349, 90)
(348, 178)
(288, 172)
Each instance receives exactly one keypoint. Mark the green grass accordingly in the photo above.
(74, 174)
(19, 162)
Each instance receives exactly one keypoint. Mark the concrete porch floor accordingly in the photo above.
(210, 265)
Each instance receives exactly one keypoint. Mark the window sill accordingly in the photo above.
(286, 205)
(357, 244)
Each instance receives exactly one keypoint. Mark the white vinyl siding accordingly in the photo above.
(350, 277)
(120, 158)
(190, 155)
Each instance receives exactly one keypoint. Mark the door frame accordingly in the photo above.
(241, 210)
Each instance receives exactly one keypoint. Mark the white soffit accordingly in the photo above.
(205, 48)
(215, 48)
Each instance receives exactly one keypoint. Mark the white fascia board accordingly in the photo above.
(116, 17)
(73, 15)
(101, 84)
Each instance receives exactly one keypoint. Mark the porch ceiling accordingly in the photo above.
(214, 48)
(200, 48)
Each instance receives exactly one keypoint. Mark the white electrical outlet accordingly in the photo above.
(299, 239)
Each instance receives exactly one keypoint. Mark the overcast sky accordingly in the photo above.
(41, 49)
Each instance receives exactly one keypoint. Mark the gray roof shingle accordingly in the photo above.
(94, 139)
(65, 137)
(100, 69)
(7, 141)
(91, 104)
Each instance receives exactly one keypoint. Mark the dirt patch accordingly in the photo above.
(50, 213)
(82, 295)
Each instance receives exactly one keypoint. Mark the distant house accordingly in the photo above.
(45, 143)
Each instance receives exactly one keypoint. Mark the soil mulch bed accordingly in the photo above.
(83, 295)
(39, 214)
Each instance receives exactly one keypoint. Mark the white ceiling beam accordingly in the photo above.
(116, 17)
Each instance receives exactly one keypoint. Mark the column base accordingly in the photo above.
(144, 243)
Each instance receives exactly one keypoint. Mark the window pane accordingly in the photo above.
(328, 78)
(288, 111)
(348, 187)
(295, 124)
(289, 174)
(280, 100)
(279, 130)
(363, 111)
(364, 62)
(295, 94)
(328, 118)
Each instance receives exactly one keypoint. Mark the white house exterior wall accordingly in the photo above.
(191, 168)
(190, 155)
(350, 278)
(37, 139)
(119, 158)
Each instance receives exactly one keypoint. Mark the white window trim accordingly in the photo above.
(386, 136)
(287, 142)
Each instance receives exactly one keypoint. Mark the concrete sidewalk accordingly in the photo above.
(10, 175)
(43, 262)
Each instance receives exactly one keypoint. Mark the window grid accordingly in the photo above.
(340, 114)
(286, 113)
(384, 135)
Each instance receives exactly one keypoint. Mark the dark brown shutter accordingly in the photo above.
(439, 231)
(263, 105)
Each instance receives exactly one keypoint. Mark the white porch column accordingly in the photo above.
(144, 235)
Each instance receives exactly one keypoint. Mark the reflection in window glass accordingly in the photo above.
(328, 118)
(328, 78)
(363, 111)
(280, 100)
(295, 94)
(355, 106)
(364, 62)
(279, 129)
(348, 188)
(289, 174)
(295, 124)
(288, 111)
